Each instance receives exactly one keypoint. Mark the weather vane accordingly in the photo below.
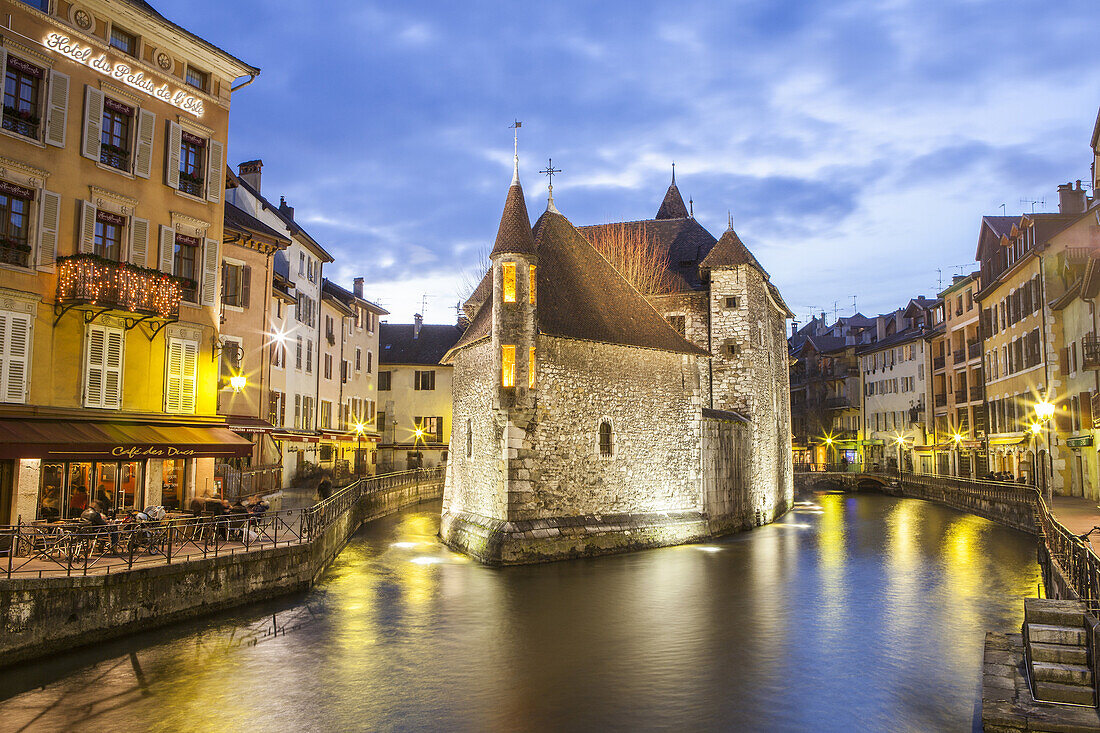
(549, 172)
(516, 124)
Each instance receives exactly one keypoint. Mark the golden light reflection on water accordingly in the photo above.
(832, 548)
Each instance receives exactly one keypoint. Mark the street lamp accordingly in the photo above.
(829, 445)
(237, 382)
(899, 441)
(359, 428)
(1044, 411)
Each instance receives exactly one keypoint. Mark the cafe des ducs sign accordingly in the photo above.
(124, 73)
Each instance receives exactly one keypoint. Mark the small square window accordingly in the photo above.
(123, 41)
(197, 79)
(677, 322)
(731, 301)
(731, 349)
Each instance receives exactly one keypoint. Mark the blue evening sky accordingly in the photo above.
(857, 144)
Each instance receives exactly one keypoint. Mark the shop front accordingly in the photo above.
(60, 468)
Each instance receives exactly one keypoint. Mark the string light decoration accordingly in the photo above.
(88, 278)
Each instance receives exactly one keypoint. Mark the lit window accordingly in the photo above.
(184, 265)
(108, 235)
(192, 163)
(508, 365)
(196, 78)
(114, 148)
(123, 41)
(15, 205)
(22, 85)
(509, 282)
(531, 368)
(531, 286)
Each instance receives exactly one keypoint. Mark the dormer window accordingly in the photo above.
(198, 79)
(123, 41)
(509, 273)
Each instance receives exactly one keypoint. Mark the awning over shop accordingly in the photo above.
(1008, 441)
(98, 441)
(924, 447)
(246, 424)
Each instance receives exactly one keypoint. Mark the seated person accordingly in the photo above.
(78, 500)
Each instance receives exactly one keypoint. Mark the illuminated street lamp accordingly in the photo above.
(359, 429)
(1044, 411)
(237, 382)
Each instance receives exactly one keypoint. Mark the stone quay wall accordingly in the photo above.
(47, 615)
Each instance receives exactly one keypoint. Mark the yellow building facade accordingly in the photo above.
(111, 187)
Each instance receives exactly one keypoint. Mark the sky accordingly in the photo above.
(855, 144)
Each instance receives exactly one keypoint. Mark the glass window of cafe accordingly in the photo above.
(67, 488)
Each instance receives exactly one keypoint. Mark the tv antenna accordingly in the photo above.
(423, 304)
(1041, 202)
(854, 308)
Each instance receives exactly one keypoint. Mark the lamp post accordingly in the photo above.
(1044, 411)
(359, 451)
(828, 450)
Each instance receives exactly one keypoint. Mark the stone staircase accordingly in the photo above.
(1057, 649)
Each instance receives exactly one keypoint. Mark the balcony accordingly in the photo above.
(958, 356)
(87, 280)
(974, 350)
(1090, 352)
(941, 400)
(837, 403)
(960, 397)
(976, 391)
(939, 363)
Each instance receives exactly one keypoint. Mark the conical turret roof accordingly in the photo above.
(514, 234)
(730, 252)
(673, 205)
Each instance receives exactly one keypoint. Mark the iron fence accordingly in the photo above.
(75, 548)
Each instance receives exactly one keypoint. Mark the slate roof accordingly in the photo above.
(730, 252)
(685, 241)
(240, 220)
(514, 234)
(150, 10)
(348, 298)
(580, 295)
(396, 344)
(673, 205)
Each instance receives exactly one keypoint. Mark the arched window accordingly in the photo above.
(606, 440)
(469, 439)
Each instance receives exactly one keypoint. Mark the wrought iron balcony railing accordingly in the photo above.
(938, 363)
(959, 356)
(974, 350)
(85, 279)
(941, 400)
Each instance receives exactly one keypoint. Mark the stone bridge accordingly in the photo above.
(841, 481)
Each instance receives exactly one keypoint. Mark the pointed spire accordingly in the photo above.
(515, 144)
(729, 227)
(514, 233)
(673, 205)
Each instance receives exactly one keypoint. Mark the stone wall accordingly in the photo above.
(473, 482)
(41, 616)
(727, 471)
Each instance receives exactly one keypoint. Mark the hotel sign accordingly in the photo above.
(124, 73)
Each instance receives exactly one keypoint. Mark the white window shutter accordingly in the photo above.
(146, 128)
(139, 241)
(214, 176)
(174, 372)
(48, 224)
(15, 348)
(167, 249)
(58, 116)
(190, 376)
(172, 155)
(112, 368)
(94, 357)
(86, 236)
(93, 122)
(210, 273)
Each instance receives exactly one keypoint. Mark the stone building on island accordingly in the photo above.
(584, 420)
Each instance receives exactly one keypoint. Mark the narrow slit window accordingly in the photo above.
(509, 282)
(605, 438)
(508, 365)
(531, 368)
(531, 287)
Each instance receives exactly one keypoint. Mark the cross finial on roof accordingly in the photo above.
(515, 144)
(674, 173)
(730, 215)
(549, 172)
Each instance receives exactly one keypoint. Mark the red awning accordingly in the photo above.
(97, 441)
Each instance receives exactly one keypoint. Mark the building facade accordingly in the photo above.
(114, 131)
(415, 394)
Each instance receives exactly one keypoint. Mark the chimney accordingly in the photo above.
(794, 328)
(1071, 200)
(880, 327)
(357, 288)
(250, 173)
(899, 321)
(418, 321)
(287, 211)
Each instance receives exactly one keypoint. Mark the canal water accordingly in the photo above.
(851, 613)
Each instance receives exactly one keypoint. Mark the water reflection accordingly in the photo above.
(850, 613)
